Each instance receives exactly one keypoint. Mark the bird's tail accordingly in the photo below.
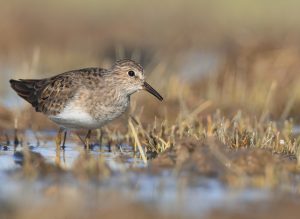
(26, 89)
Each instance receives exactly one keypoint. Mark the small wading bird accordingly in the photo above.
(86, 98)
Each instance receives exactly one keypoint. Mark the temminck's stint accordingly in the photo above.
(86, 98)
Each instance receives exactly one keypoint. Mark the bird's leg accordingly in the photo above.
(80, 138)
(58, 138)
(64, 141)
(58, 143)
(87, 140)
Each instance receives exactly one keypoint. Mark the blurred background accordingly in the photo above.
(239, 54)
(227, 132)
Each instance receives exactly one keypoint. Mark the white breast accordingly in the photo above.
(76, 118)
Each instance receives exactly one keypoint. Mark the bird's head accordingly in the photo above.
(130, 77)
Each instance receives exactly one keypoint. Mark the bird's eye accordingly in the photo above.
(131, 73)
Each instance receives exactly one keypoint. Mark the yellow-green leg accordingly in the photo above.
(58, 143)
(87, 140)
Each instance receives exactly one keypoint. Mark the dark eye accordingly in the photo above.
(131, 73)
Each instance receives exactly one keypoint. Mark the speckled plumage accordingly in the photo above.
(85, 98)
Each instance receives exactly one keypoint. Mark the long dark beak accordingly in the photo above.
(152, 91)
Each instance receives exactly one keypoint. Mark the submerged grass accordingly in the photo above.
(238, 151)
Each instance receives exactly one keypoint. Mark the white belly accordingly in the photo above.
(76, 118)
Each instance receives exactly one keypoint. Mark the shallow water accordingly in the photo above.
(165, 190)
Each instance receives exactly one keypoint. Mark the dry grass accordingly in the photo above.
(230, 86)
(234, 125)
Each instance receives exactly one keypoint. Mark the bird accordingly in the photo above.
(85, 98)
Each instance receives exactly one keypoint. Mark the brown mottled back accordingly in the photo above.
(51, 95)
